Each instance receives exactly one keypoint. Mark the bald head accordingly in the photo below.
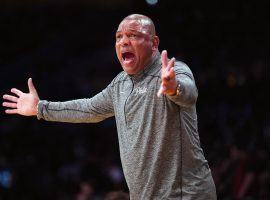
(146, 24)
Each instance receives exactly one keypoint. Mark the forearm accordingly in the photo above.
(75, 111)
(188, 92)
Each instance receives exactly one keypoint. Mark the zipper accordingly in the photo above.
(126, 123)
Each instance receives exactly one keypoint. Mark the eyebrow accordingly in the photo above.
(132, 31)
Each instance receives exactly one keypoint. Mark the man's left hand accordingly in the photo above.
(168, 81)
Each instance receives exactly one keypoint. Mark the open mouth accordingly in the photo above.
(128, 57)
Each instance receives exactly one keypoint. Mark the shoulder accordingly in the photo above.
(182, 68)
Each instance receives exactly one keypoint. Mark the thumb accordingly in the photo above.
(31, 87)
(161, 90)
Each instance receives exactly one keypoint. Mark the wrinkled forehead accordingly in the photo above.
(138, 25)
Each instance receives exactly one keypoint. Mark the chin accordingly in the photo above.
(129, 70)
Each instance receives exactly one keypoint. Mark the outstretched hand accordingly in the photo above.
(168, 81)
(23, 103)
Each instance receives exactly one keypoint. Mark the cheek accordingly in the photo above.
(117, 50)
(140, 50)
(145, 51)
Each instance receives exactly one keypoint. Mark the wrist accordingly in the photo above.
(177, 90)
(35, 111)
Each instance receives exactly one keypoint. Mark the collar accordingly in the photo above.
(149, 69)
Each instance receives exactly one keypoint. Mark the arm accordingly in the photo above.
(177, 77)
(187, 91)
(95, 109)
(90, 110)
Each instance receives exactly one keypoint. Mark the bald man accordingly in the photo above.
(154, 103)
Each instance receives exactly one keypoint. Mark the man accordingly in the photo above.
(154, 104)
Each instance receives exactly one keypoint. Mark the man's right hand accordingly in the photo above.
(23, 103)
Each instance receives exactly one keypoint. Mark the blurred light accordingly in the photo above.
(152, 2)
(5, 178)
(231, 80)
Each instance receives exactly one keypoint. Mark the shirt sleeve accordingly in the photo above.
(90, 110)
(188, 90)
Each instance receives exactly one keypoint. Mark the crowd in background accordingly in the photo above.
(68, 50)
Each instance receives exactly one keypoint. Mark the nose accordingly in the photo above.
(124, 40)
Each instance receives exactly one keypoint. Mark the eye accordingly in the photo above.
(132, 36)
(118, 37)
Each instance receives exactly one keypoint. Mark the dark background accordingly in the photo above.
(67, 47)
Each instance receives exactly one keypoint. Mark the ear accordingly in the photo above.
(155, 42)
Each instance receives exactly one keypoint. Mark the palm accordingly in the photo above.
(23, 103)
(168, 81)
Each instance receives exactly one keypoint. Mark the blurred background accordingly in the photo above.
(67, 47)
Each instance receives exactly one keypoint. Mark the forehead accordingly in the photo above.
(138, 25)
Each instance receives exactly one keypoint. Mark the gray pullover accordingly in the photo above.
(158, 136)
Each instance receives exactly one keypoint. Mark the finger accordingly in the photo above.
(166, 78)
(171, 63)
(9, 105)
(161, 90)
(171, 73)
(16, 91)
(12, 111)
(168, 75)
(31, 86)
(164, 58)
(10, 98)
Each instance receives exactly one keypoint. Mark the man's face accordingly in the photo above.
(134, 46)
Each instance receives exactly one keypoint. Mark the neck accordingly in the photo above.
(153, 59)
